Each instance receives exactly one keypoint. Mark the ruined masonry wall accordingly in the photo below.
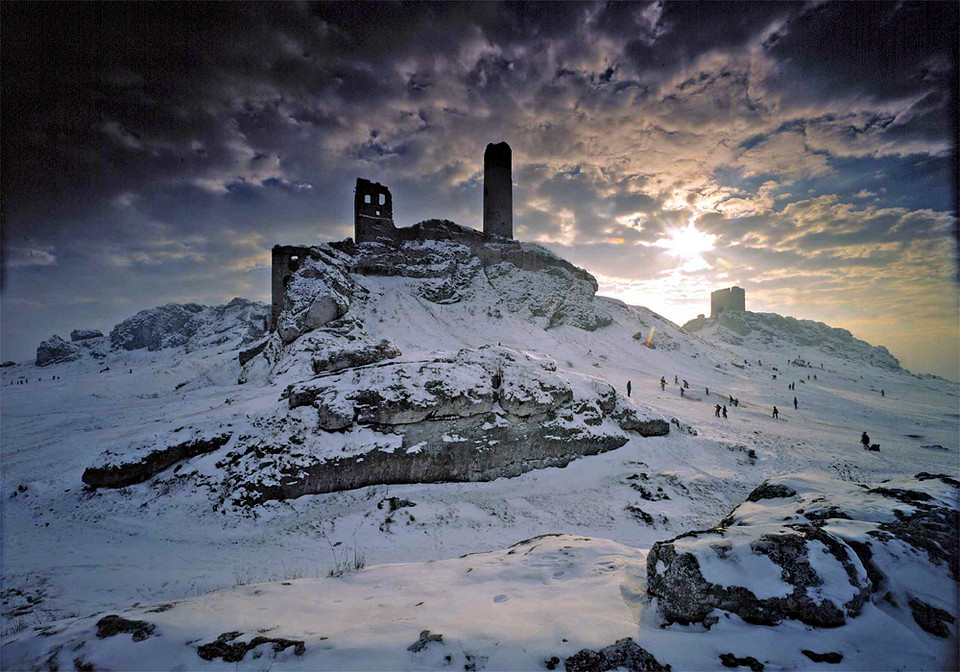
(731, 298)
(498, 190)
(372, 212)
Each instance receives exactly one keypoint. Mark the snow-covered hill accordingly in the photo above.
(438, 354)
(769, 331)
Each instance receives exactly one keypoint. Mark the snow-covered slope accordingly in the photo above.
(770, 332)
(411, 324)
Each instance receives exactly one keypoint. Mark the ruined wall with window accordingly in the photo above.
(372, 213)
(286, 260)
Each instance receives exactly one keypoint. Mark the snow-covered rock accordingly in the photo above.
(192, 326)
(84, 334)
(55, 350)
(816, 551)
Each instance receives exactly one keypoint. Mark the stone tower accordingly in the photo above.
(372, 212)
(498, 190)
(731, 298)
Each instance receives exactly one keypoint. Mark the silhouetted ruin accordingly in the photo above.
(372, 212)
(731, 298)
(373, 223)
(498, 190)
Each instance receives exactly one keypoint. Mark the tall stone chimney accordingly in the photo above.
(498, 190)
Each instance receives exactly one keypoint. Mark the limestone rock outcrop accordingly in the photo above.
(55, 350)
(816, 551)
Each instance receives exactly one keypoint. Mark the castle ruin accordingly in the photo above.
(498, 190)
(372, 212)
(731, 298)
(373, 220)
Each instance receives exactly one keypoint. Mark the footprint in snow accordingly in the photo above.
(501, 598)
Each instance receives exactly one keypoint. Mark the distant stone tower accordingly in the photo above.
(731, 298)
(498, 190)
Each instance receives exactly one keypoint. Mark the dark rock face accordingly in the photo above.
(424, 640)
(730, 660)
(233, 652)
(55, 350)
(686, 597)
(84, 334)
(479, 448)
(931, 619)
(362, 355)
(111, 625)
(625, 654)
(770, 491)
(246, 355)
(124, 474)
(832, 657)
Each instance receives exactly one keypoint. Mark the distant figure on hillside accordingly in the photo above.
(681, 392)
(736, 402)
(724, 412)
(759, 363)
(795, 405)
(865, 440)
(883, 394)
(814, 377)
(708, 391)
(716, 410)
(776, 413)
(663, 383)
(676, 381)
(686, 385)
(629, 387)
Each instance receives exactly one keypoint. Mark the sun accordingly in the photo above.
(688, 242)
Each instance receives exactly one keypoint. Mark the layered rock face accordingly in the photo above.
(446, 263)
(817, 551)
(470, 416)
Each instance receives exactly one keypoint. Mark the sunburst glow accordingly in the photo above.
(688, 242)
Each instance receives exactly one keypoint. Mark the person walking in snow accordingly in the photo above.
(681, 392)
(716, 410)
(724, 412)
(795, 405)
(865, 440)
(883, 394)
(708, 391)
(676, 381)
(776, 413)
(629, 387)
(663, 383)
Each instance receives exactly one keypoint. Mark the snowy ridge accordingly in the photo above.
(762, 331)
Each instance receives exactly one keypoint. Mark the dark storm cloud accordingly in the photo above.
(155, 152)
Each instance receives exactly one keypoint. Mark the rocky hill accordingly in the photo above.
(190, 326)
(764, 331)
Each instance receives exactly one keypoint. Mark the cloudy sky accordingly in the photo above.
(804, 151)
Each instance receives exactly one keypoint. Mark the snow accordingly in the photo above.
(77, 553)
